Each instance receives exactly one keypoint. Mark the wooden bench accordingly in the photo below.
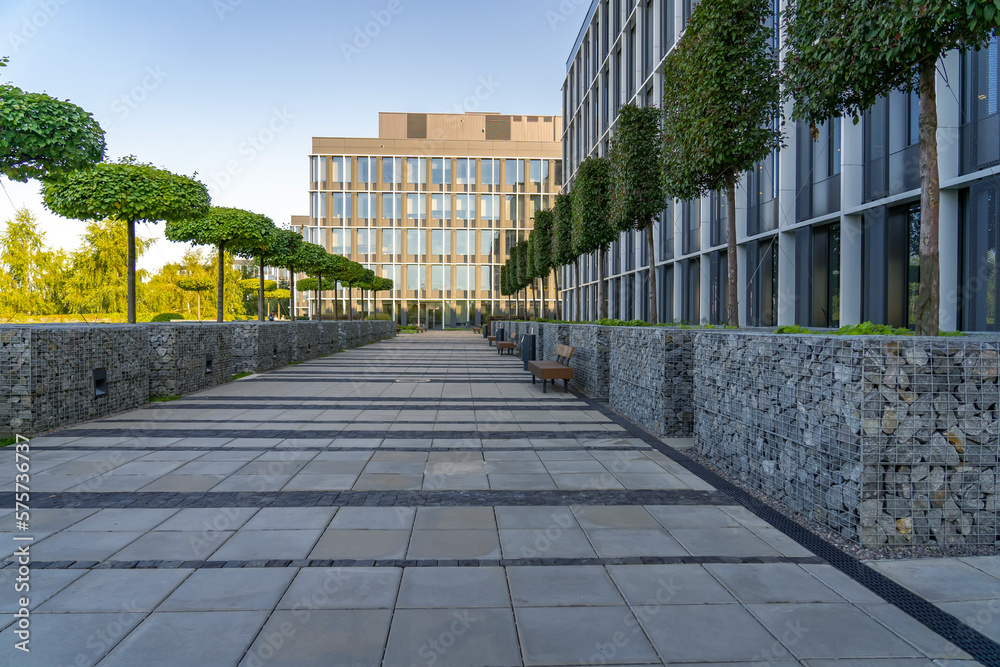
(493, 339)
(553, 370)
(508, 345)
(477, 330)
(421, 328)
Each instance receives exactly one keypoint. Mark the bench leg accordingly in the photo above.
(545, 386)
(566, 385)
(532, 379)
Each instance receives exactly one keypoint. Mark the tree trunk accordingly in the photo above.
(336, 303)
(319, 299)
(131, 272)
(602, 304)
(198, 294)
(558, 295)
(260, 294)
(929, 294)
(651, 251)
(579, 289)
(350, 303)
(545, 285)
(733, 314)
(222, 281)
(291, 299)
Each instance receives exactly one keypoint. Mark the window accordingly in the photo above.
(340, 243)
(490, 171)
(392, 207)
(617, 85)
(826, 276)
(416, 170)
(366, 206)
(833, 152)
(536, 171)
(465, 242)
(441, 171)
(691, 220)
(394, 273)
(720, 212)
(342, 205)
(416, 207)
(392, 170)
(486, 278)
(666, 27)
(515, 172)
(440, 242)
(490, 207)
(465, 278)
(441, 207)
(416, 277)
(366, 170)
(319, 171)
(489, 244)
(366, 241)
(392, 241)
(666, 233)
(341, 171)
(514, 209)
(647, 38)
(440, 277)
(630, 64)
(317, 204)
(416, 242)
(465, 207)
(558, 176)
(465, 171)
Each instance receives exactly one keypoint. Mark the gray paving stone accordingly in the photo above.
(851, 590)
(321, 638)
(172, 545)
(49, 520)
(536, 517)
(652, 585)
(447, 544)
(44, 584)
(342, 588)
(208, 519)
(374, 518)
(123, 519)
(772, 582)
(361, 544)
(691, 516)
(455, 518)
(284, 518)
(83, 546)
(552, 542)
(388, 481)
(229, 589)
(268, 544)
(452, 638)
(184, 483)
(116, 591)
(204, 638)
(620, 542)
(453, 587)
(598, 516)
(572, 586)
(78, 638)
(309, 482)
(521, 482)
(581, 635)
(941, 579)
(722, 542)
(917, 634)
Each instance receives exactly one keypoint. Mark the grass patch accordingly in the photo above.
(164, 399)
(295, 363)
(7, 442)
(241, 375)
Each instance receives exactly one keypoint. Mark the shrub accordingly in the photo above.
(166, 317)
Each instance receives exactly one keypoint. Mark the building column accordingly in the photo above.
(742, 271)
(787, 275)
(679, 273)
(788, 269)
(852, 191)
(949, 166)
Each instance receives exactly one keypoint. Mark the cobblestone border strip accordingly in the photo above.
(950, 627)
(585, 422)
(208, 499)
(193, 448)
(340, 406)
(487, 562)
(557, 399)
(318, 435)
(269, 378)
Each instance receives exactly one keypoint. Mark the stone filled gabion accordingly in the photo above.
(47, 371)
(887, 440)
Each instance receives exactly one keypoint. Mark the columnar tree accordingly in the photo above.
(131, 192)
(196, 284)
(45, 138)
(505, 283)
(228, 229)
(563, 252)
(308, 255)
(523, 272)
(543, 245)
(592, 230)
(844, 54)
(284, 252)
(637, 193)
(721, 108)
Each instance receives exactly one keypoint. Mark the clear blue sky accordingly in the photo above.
(186, 84)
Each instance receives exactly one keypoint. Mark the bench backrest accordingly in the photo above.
(564, 353)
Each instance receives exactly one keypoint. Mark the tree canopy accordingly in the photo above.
(564, 252)
(542, 242)
(591, 206)
(42, 137)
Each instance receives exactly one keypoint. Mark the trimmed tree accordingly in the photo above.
(331, 268)
(284, 252)
(196, 284)
(592, 230)
(131, 192)
(504, 277)
(352, 275)
(380, 284)
(843, 55)
(45, 138)
(308, 255)
(721, 109)
(228, 229)
(309, 285)
(563, 252)
(637, 192)
(256, 248)
(542, 246)
(523, 276)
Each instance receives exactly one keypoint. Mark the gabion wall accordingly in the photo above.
(884, 439)
(47, 372)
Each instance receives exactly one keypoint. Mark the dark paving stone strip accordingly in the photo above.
(189, 448)
(970, 640)
(283, 379)
(313, 421)
(166, 499)
(489, 562)
(398, 405)
(389, 399)
(317, 435)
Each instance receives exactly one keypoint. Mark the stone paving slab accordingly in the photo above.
(327, 514)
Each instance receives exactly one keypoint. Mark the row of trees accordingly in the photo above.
(723, 100)
(64, 147)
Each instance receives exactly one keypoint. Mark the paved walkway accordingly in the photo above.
(414, 502)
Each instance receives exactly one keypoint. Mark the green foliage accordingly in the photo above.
(126, 190)
(563, 251)
(637, 192)
(522, 253)
(253, 285)
(32, 277)
(98, 282)
(233, 229)
(195, 283)
(45, 138)
(239, 376)
(592, 228)
(308, 255)
(721, 97)
(166, 317)
(284, 250)
(793, 329)
(844, 54)
(7, 442)
(503, 279)
(164, 399)
(278, 294)
(307, 285)
(869, 329)
(542, 242)
(622, 323)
